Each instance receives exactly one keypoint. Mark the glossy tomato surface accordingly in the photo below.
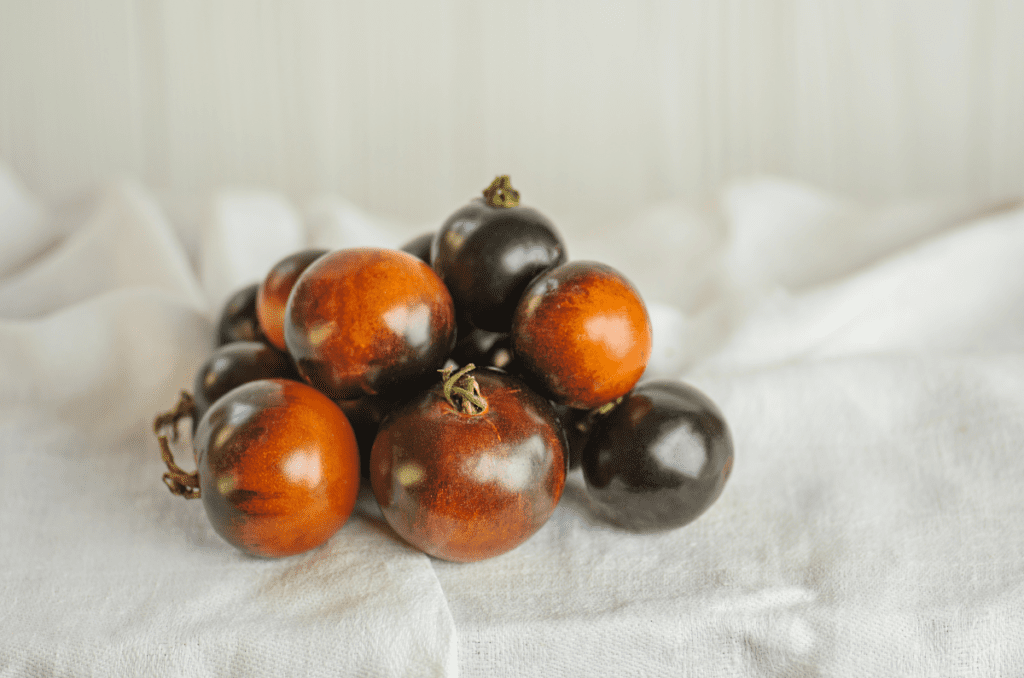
(582, 335)
(238, 321)
(272, 295)
(484, 349)
(369, 321)
(278, 467)
(465, 487)
(235, 364)
(488, 255)
(577, 425)
(659, 459)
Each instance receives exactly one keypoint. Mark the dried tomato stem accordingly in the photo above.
(185, 407)
(463, 385)
(500, 193)
(178, 481)
(608, 407)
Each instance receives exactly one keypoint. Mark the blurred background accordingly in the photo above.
(597, 109)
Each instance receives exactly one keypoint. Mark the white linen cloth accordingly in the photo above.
(870, 363)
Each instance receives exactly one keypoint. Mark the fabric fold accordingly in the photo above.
(869, 361)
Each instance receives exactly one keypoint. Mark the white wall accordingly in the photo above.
(595, 108)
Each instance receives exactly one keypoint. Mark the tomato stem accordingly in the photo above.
(177, 480)
(608, 407)
(463, 385)
(500, 193)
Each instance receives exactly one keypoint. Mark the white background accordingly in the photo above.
(596, 108)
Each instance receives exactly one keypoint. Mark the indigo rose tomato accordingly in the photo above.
(238, 321)
(581, 334)
(235, 364)
(488, 252)
(272, 295)
(368, 321)
(365, 415)
(467, 471)
(659, 459)
(278, 468)
(483, 348)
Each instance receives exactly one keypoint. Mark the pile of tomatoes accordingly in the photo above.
(461, 376)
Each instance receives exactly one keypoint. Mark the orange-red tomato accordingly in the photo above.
(278, 467)
(465, 487)
(581, 334)
(272, 295)
(369, 321)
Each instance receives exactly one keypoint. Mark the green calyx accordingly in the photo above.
(500, 193)
(461, 390)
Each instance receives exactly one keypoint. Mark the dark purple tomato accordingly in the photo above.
(238, 320)
(235, 364)
(487, 253)
(365, 415)
(483, 349)
(659, 459)
(419, 247)
(464, 484)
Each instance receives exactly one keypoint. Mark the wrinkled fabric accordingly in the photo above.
(869, 361)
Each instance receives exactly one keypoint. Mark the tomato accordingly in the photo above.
(278, 467)
(581, 334)
(488, 252)
(463, 482)
(369, 321)
(659, 459)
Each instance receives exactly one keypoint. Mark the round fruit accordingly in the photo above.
(659, 459)
(582, 335)
(272, 297)
(489, 251)
(463, 481)
(235, 364)
(368, 321)
(238, 320)
(278, 467)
